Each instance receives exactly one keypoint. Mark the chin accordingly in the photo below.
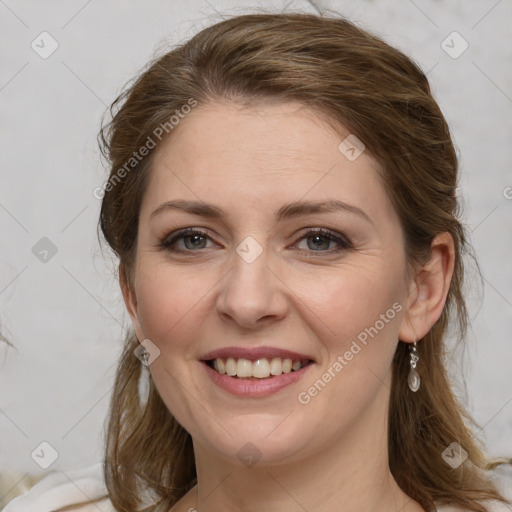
(254, 443)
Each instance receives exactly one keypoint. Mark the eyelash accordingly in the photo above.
(344, 243)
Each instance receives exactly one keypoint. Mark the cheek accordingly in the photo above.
(350, 300)
(365, 316)
(166, 304)
(362, 315)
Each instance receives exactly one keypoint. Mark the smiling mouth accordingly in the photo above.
(262, 368)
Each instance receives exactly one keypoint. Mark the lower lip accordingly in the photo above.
(255, 388)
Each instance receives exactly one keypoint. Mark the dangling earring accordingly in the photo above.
(414, 378)
(144, 384)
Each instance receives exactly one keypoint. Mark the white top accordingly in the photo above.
(81, 486)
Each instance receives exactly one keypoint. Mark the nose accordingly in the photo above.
(253, 295)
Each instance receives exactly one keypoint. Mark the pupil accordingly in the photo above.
(195, 239)
(316, 237)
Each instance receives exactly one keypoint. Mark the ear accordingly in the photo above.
(130, 301)
(428, 291)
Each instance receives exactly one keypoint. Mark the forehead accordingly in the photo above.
(269, 154)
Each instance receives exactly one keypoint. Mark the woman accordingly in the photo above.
(282, 200)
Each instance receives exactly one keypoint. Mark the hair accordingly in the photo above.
(353, 79)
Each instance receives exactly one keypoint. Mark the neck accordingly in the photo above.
(351, 475)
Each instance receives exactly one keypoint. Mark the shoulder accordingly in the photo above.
(502, 477)
(101, 505)
(80, 490)
(491, 506)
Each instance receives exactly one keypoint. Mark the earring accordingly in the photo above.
(144, 356)
(414, 378)
(143, 384)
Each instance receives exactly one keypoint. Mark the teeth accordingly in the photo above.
(231, 366)
(260, 369)
(219, 365)
(287, 366)
(276, 366)
(243, 368)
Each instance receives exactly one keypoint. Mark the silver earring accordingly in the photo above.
(143, 384)
(414, 378)
(144, 356)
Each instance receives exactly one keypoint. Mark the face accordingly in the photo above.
(255, 282)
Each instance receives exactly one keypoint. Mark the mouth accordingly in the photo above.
(255, 372)
(257, 369)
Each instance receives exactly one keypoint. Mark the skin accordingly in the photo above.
(330, 454)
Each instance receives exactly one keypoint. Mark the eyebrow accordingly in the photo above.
(287, 211)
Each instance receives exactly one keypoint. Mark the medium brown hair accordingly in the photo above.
(355, 80)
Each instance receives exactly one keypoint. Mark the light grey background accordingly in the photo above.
(65, 316)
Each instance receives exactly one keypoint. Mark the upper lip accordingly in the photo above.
(254, 353)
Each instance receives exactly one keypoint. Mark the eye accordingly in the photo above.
(193, 239)
(322, 238)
